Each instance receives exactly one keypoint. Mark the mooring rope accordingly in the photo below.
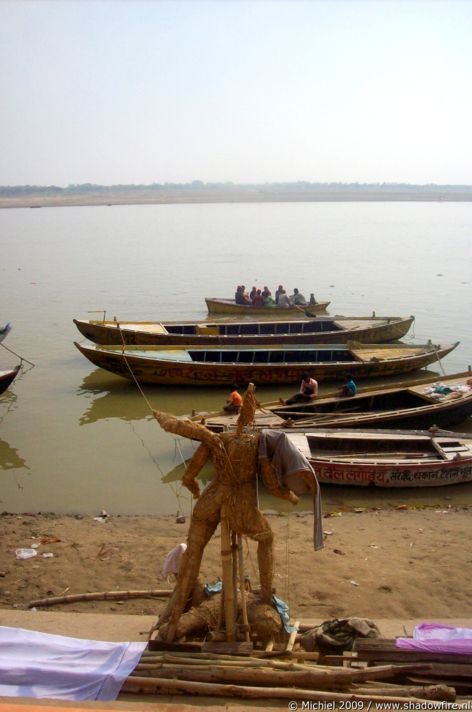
(177, 495)
(22, 358)
(125, 358)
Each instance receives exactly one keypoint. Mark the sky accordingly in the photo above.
(247, 91)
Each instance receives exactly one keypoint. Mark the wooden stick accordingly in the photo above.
(161, 686)
(292, 638)
(99, 595)
(259, 677)
(234, 573)
(424, 692)
(242, 588)
(227, 575)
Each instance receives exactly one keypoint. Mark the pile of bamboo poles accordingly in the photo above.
(296, 677)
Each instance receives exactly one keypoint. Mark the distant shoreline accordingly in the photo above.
(167, 197)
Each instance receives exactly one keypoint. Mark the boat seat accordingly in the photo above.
(449, 452)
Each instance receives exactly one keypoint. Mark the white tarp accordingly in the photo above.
(34, 664)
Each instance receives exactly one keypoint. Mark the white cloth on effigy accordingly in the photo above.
(34, 664)
(287, 459)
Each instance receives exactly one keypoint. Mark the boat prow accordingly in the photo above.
(7, 378)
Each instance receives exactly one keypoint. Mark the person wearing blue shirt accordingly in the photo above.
(349, 387)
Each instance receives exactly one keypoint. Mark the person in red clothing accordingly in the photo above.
(258, 300)
(234, 401)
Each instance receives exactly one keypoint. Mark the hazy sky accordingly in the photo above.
(141, 91)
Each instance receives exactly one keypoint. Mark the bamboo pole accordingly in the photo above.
(242, 588)
(234, 574)
(312, 679)
(335, 680)
(423, 692)
(227, 575)
(164, 687)
(100, 595)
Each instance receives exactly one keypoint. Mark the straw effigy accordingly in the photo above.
(230, 500)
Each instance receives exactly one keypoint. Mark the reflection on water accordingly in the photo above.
(9, 457)
(110, 396)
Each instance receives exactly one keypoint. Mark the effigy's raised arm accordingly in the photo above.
(195, 431)
(185, 427)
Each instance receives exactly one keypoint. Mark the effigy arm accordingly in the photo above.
(198, 460)
(271, 481)
(183, 426)
(195, 431)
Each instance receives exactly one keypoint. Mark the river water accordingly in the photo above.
(75, 439)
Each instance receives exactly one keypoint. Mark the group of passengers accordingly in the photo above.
(308, 392)
(263, 297)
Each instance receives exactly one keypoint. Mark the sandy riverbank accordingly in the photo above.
(392, 563)
(231, 196)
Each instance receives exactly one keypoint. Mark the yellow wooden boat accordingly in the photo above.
(321, 330)
(206, 366)
(216, 305)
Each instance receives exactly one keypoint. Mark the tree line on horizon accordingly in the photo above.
(198, 185)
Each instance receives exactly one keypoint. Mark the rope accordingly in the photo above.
(177, 494)
(440, 365)
(131, 370)
(18, 355)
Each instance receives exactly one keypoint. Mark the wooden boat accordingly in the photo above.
(418, 404)
(4, 330)
(7, 378)
(326, 330)
(204, 366)
(228, 306)
(377, 458)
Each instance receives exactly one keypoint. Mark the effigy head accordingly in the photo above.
(248, 408)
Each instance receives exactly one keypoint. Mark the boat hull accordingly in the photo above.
(156, 366)
(387, 458)
(404, 475)
(364, 329)
(229, 306)
(7, 378)
(399, 406)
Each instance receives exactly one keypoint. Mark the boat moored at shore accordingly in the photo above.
(322, 329)
(205, 366)
(418, 403)
(381, 458)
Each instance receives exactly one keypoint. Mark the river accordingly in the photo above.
(74, 439)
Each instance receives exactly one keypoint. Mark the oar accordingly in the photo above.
(304, 311)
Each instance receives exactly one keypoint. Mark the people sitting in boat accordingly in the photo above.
(297, 298)
(268, 301)
(252, 294)
(312, 301)
(283, 300)
(258, 300)
(349, 387)
(308, 391)
(278, 292)
(234, 400)
(240, 297)
(266, 293)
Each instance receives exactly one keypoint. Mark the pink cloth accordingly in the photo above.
(173, 559)
(438, 638)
